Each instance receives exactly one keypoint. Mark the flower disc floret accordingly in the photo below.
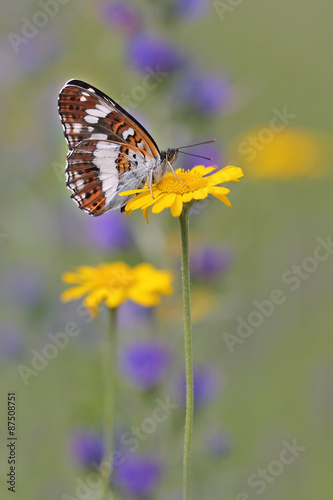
(190, 182)
(172, 191)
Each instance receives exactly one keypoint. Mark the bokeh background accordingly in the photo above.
(257, 76)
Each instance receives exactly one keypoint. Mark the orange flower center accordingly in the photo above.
(185, 182)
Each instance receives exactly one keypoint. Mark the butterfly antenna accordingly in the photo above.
(197, 144)
(198, 156)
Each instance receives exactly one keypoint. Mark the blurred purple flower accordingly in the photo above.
(11, 342)
(206, 385)
(145, 363)
(138, 476)
(210, 261)
(22, 286)
(218, 443)
(86, 447)
(149, 52)
(131, 314)
(206, 94)
(190, 8)
(110, 232)
(122, 16)
(212, 150)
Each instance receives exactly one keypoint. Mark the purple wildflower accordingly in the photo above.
(131, 314)
(212, 150)
(218, 443)
(122, 16)
(11, 342)
(190, 8)
(110, 232)
(145, 363)
(206, 94)
(210, 262)
(86, 447)
(206, 385)
(148, 52)
(138, 476)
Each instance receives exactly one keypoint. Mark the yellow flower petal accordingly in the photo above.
(187, 197)
(201, 170)
(145, 212)
(222, 197)
(115, 298)
(163, 202)
(200, 194)
(218, 189)
(227, 174)
(74, 293)
(177, 207)
(140, 201)
(94, 299)
(131, 191)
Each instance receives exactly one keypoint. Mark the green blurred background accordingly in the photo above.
(276, 385)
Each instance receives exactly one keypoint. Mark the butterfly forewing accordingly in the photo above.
(87, 113)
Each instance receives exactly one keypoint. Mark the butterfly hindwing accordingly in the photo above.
(97, 171)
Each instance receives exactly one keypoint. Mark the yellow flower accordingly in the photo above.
(283, 154)
(191, 185)
(114, 283)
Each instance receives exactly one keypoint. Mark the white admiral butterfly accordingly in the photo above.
(109, 151)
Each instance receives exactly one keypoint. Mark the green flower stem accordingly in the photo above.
(184, 226)
(109, 362)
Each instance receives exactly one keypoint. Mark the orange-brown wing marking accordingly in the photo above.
(85, 175)
(88, 113)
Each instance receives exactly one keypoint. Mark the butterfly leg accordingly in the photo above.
(174, 173)
(150, 182)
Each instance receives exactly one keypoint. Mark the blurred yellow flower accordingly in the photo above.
(114, 283)
(172, 193)
(204, 303)
(283, 154)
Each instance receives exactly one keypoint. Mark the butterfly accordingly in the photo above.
(109, 151)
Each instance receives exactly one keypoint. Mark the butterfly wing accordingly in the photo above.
(97, 171)
(88, 113)
(109, 151)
